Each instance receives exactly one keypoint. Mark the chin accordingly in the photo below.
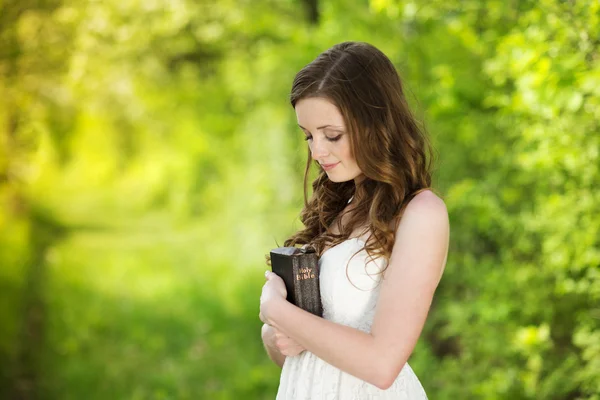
(343, 175)
(338, 179)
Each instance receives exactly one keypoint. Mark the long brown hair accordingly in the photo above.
(390, 148)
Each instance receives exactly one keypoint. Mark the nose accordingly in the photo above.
(319, 149)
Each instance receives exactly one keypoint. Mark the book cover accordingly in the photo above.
(299, 269)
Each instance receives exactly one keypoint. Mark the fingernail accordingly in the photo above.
(266, 273)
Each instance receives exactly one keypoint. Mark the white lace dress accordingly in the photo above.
(306, 376)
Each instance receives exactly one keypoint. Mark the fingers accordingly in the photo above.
(286, 345)
(292, 351)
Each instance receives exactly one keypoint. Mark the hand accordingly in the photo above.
(278, 340)
(273, 290)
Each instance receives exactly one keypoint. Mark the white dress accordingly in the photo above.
(306, 376)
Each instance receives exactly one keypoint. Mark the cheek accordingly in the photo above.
(346, 152)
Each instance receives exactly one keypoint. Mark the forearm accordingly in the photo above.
(272, 352)
(349, 349)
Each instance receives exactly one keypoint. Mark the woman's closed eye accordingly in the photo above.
(331, 139)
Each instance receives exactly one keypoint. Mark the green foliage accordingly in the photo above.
(149, 159)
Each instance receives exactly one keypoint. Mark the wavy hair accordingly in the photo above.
(390, 148)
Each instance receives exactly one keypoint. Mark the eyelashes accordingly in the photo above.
(335, 139)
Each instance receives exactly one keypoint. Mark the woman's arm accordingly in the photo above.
(413, 273)
(268, 338)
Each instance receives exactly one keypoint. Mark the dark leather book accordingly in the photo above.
(299, 269)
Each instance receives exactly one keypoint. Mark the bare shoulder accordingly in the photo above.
(427, 210)
(427, 204)
(424, 234)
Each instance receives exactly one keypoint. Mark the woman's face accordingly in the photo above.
(327, 138)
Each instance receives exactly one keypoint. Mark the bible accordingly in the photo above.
(299, 269)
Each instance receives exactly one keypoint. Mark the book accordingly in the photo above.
(299, 269)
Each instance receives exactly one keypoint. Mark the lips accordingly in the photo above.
(327, 167)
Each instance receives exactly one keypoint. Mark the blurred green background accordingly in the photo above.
(149, 159)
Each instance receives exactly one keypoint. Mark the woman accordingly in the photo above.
(380, 233)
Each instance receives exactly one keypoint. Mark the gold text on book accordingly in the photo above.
(305, 273)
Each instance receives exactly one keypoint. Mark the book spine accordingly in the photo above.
(307, 293)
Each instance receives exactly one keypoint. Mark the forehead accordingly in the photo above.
(317, 111)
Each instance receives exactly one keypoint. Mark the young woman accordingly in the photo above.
(380, 232)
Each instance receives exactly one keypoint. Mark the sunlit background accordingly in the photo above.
(149, 159)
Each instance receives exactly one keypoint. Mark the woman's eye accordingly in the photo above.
(334, 139)
(331, 139)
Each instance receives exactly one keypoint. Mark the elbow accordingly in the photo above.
(388, 364)
(387, 377)
(384, 382)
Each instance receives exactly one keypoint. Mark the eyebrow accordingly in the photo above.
(322, 127)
